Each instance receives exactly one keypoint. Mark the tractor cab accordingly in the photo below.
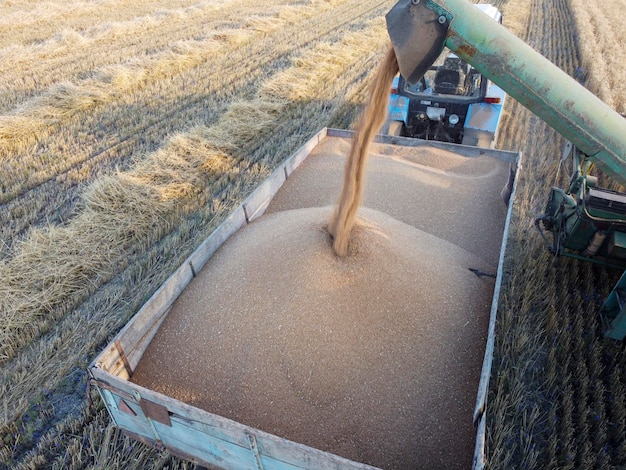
(451, 77)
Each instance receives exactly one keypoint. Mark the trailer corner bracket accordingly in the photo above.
(154, 411)
(255, 451)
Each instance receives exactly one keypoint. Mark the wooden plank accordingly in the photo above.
(483, 386)
(171, 450)
(275, 453)
(208, 247)
(209, 449)
(135, 421)
(135, 353)
(277, 448)
(255, 205)
(110, 360)
(303, 456)
(122, 355)
(144, 325)
(103, 379)
(109, 402)
(229, 429)
(183, 439)
(480, 409)
(132, 340)
(213, 427)
(303, 152)
(214, 451)
(137, 424)
(479, 450)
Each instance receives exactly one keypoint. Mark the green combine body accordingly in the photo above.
(590, 222)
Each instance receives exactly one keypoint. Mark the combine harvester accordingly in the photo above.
(450, 199)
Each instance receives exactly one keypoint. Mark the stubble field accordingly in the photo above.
(129, 130)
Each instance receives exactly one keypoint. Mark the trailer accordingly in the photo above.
(451, 196)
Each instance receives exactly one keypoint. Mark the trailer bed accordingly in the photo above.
(234, 379)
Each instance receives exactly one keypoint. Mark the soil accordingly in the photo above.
(375, 356)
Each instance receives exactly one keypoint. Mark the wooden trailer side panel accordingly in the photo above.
(205, 437)
(205, 448)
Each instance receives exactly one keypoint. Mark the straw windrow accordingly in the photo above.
(133, 209)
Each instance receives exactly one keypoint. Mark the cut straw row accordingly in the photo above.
(547, 407)
(56, 267)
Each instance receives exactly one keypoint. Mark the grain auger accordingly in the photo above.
(586, 221)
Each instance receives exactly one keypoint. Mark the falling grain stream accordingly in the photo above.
(372, 119)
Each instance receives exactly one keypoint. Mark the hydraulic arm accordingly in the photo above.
(419, 30)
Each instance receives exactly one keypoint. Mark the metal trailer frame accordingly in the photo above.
(211, 440)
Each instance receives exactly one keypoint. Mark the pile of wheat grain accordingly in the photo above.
(364, 356)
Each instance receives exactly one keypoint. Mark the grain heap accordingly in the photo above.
(373, 356)
(279, 333)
